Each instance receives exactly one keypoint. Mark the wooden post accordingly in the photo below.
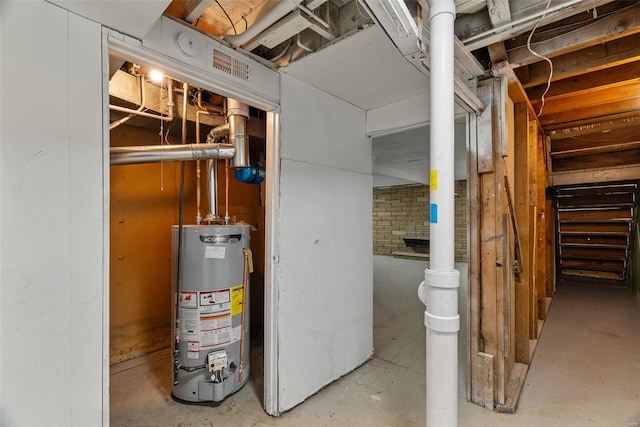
(474, 393)
(521, 185)
(551, 245)
(532, 168)
(541, 239)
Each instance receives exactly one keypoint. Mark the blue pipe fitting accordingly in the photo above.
(254, 174)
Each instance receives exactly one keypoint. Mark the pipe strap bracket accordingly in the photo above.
(442, 324)
(442, 279)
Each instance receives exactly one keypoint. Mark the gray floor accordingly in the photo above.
(586, 370)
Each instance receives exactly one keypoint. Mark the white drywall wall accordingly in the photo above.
(325, 308)
(133, 17)
(51, 217)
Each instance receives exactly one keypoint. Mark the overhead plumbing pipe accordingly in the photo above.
(283, 8)
(439, 290)
(170, 153)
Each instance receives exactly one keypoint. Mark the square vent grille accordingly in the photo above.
(228, 64)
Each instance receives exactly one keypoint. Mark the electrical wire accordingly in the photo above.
(281, 54)
(542, 57)
(359, 11)
(228, 17)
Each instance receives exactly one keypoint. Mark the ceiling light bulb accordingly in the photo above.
(156, 76)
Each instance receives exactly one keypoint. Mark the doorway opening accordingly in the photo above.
(152, 118)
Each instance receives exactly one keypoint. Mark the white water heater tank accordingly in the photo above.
(211, 311)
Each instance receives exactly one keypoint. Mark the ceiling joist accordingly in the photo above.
(614, 26)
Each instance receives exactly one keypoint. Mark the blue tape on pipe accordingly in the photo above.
(433, 213)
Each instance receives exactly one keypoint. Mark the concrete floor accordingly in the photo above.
(586, 370)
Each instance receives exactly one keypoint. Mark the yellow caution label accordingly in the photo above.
(237, 295)
(433, 181)
(249, 259)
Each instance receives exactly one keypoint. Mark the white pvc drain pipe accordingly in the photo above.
(439, 291)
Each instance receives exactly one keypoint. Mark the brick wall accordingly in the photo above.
(403, 211)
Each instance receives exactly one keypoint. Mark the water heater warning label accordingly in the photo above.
(215, 252)
(237, 294)
(188, 300)
(205, 318)
(214, 297)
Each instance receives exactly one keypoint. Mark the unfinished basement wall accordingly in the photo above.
(403, 211)
(144, 206)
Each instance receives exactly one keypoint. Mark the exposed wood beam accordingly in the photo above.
(615, 52)
(591, 125)
(469, 6)
(593, 111)
(610, 159)
(497, 52)
(609, 77)
(499, 12)
(615, 26)
(601, 149)
(592, 98)
(476, 32)
(595, 138)
(589, 176)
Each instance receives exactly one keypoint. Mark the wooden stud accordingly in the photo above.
(541, 241)
(473, 385)
(486, 377)
(550, 237)
(521, 185)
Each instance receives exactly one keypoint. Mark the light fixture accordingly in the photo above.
(156, 76)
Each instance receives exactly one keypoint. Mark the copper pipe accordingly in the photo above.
(245, 279)
(226, 192)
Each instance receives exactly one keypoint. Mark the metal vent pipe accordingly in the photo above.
(215, 135)
(439, 290)
(237, 115)
(169, 153)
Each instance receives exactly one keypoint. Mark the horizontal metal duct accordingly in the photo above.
(170, 153)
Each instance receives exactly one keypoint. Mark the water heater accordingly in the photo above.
(211, 311)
